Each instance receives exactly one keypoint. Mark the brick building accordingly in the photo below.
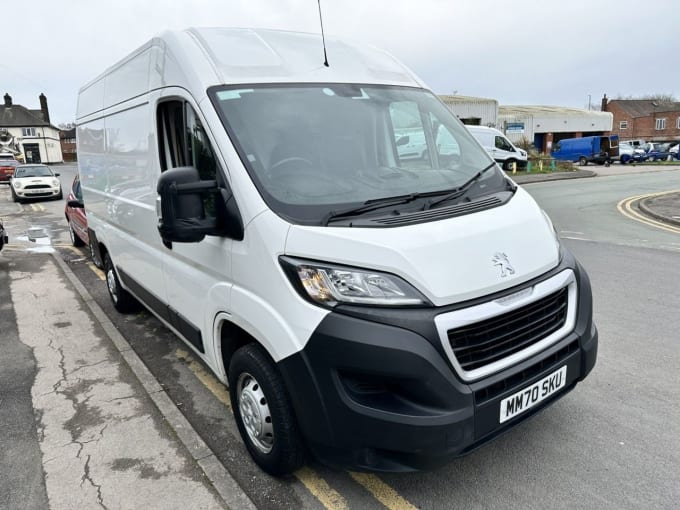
(67, 137)
(644, 119)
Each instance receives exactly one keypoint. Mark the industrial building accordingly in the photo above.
(545, 125)
(473, 111)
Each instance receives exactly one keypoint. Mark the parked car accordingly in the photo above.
(7, 167)
(75, 214)
(35, 181)
(673, 151)
(4, 239)
(628, 153)
(657, 151)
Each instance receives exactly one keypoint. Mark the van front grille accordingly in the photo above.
(491, 340)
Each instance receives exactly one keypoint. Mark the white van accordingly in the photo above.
(378, 312)
(499, 147)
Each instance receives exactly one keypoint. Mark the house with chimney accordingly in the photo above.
(652, 120)
(28, 134)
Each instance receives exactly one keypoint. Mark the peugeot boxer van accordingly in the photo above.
(502, 150)
(377, 311)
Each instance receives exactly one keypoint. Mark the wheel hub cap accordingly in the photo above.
(255, 413)
(111, 282)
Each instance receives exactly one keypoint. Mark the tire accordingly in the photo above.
(122, 300)
(270, 430)
(507, 164)
(75, 240)
(582, 161)
(60, 196)
(15, 198)
(625, 159)
(93, 256)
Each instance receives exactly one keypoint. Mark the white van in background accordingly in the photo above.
(379, 311)
(499, 147)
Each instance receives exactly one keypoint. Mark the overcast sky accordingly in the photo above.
(518, 52)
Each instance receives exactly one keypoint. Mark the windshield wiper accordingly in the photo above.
(370, 205)
(460, 190)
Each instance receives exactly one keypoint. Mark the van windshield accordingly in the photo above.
(312, 149)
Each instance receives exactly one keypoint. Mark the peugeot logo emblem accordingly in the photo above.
(501, 259)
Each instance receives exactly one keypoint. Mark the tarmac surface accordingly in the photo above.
(664, 207)
(89, 426)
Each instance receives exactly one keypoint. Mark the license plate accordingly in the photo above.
(527, 398)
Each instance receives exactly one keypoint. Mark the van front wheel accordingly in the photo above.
(582, 161)
(263, 412)
(507, 165)
(122, 300)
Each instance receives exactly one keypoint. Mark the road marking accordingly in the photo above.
(71, 248)
(33, 207)
(329, 497)
(575, 238)
(209, 381)
(381, 491)
(100, 274)
(313, 482)
(625, 208)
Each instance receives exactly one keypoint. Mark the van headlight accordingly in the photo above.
(330, 284)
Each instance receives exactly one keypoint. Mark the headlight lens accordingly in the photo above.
(55, 183)
(17, 184)
(328, 284)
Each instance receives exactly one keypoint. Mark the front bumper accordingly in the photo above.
(378, 392)
(37, 192)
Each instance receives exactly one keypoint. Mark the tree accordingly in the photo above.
(660, 97)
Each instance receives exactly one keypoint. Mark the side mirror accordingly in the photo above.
(76, 204)
(183, 218)
(57, 174)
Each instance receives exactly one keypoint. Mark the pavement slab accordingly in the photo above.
(103, 442)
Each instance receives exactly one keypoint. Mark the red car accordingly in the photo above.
(7, 167)
(75, 215)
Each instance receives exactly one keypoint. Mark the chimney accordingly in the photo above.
(604, 103)
(43, 108)
(8, 100)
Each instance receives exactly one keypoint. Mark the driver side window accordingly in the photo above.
(502, 144)
(182, 141)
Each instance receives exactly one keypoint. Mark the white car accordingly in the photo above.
(35, 181)
(674, 151)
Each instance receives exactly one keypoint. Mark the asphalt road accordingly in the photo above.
(611, 443)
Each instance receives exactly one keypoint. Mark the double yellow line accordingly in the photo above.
(37, 207)
(98, 272)
(625, 207)
(313, 481)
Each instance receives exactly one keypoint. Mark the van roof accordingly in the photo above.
(198, 58)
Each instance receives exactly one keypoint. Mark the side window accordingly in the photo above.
(77, 191)
(409, 133)
(503, 144)
(182, 141)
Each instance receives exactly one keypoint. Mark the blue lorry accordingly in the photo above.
(588, 149)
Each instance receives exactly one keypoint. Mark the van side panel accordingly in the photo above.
(118, 179)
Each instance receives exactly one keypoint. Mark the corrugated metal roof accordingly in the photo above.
(465, 99)
(558, 111)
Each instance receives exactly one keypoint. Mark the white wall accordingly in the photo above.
(47, 139)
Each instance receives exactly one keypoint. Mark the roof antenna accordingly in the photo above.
(323, 39)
